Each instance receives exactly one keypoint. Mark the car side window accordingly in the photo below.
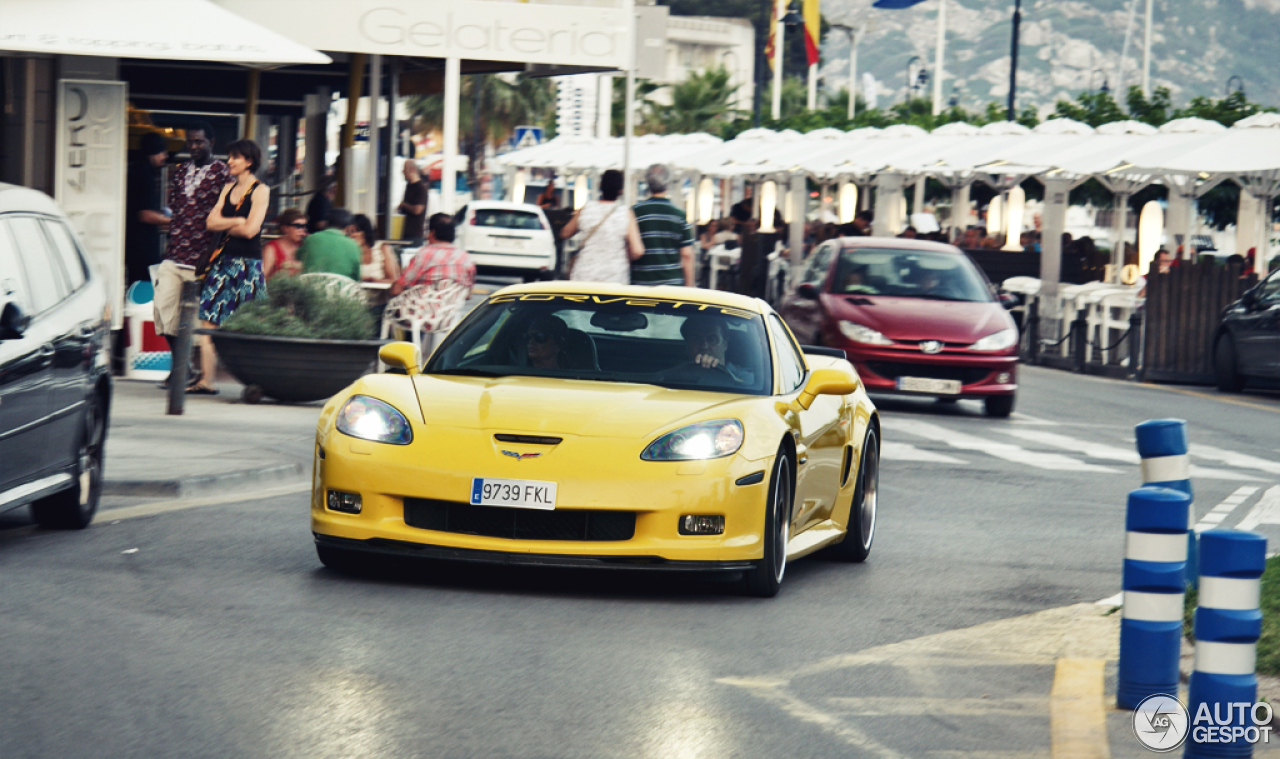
(44, 282)
(12, 284)
(68, 252)
(1270, 290)
(819, 262)
(790, 361)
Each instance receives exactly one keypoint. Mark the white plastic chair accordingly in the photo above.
(425, 311)
(336, 284)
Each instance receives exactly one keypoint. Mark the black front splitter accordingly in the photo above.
(385, 547)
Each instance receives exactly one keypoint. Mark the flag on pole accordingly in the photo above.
(773, 28)
(812, 28)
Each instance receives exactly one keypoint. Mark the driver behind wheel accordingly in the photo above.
(706, 344)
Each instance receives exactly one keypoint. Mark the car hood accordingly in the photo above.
(557, 406)
(910, 319)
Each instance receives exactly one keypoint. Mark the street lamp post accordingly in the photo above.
(1239, 84)
(853, 33)
(911, 85)
(1013, 59)
(939, 51)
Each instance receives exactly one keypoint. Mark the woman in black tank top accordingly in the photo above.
(235, 277)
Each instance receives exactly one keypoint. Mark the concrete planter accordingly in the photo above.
(292, 369)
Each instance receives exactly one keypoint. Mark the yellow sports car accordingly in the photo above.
(578, 424)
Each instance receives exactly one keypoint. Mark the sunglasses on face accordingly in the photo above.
(298, 225)
(538, 336)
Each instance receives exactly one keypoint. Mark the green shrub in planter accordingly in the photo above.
(303, 307)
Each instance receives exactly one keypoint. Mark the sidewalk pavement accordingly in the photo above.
(218, 443)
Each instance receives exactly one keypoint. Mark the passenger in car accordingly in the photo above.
(545, 342)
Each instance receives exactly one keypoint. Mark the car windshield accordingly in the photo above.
(506, 219)
(908, 274)
(670, 343)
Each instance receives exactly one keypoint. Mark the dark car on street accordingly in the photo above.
(1247, 343)
(55, 387)
(915, 318)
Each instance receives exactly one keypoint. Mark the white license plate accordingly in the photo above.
(929, 385)
(509, 243)
(515, 494)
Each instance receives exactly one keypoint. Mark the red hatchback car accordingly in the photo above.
(914, 317)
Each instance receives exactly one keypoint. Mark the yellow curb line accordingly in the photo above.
(1077, 716)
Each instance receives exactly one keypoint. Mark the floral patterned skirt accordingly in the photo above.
(231, 281)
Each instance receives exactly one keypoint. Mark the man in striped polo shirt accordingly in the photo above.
(668, 237)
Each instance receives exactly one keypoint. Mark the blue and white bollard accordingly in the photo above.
(1228, 623)
(1162, 444)
(1155, 557)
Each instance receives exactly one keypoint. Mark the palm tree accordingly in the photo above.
(700, 103)
(491, 107)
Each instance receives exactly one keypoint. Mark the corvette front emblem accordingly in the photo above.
(931, 346)
(521, 456)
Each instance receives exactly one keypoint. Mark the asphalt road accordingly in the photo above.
(213, 631)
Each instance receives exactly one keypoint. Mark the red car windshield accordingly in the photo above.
(908, 274)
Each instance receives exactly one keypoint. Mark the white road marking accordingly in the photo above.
(1231, 458)
(1007, 451)
(1021, 418)
(908, 452)
(1116, 600)
(1265, 511)
(1095, 450)
(1220, 512)
(1024, 706)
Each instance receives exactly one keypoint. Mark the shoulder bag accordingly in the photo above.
(205, 262)
(583, 244)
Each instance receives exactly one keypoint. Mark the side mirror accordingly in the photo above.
(827, 382)
(807, 291)
(13, 322)
(1250, 297)
(401, 357)
(1008, 300)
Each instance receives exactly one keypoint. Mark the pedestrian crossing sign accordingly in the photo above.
(527, 137)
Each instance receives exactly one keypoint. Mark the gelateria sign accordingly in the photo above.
(570, 35)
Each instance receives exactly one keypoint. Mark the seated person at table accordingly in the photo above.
(377, 258)
(706, 344)
(438, 260)
(330, 250)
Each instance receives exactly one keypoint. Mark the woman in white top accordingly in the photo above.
(377, 259)
(611, 237)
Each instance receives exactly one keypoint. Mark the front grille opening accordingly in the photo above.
(519, 524)
(893, 370)
(528, 439)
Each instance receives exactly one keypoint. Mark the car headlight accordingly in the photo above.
(704, 440)
(371, 419)
(997, 341)
(860, 333)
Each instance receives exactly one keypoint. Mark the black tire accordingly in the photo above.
(1224, 366)
(339, 559)
(999, 406)
(764, 579)
(861, 531)
(74, 508)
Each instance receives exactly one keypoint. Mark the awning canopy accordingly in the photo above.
(956, 156)
(182, 30)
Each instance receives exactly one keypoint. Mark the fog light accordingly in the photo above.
(701, 524)
(1003, 378)
(345, 502)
